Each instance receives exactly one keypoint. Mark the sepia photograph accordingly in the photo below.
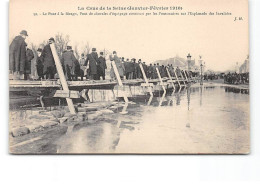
(129, 77)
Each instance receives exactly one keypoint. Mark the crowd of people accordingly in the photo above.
(91, 66)
(236, 78)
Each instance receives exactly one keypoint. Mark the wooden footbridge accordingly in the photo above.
(77, 89)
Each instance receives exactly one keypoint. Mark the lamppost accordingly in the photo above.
(201, 74)
(189, 61)
(201, 70)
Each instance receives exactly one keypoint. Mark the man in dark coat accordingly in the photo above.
(178, 72)
(139, 72)
(150, 71)
(129, 69)
(171, 70)
(92, 58)
(135, 68)
(17, 54)
(48, 61)
(155, 75)
(163, 71)
(39, 64)
(29, 57)
(102, 66)
(78, 72)
(68, 61)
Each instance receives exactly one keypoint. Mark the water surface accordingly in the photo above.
(195, 120)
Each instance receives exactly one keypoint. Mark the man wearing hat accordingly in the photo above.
(102, 66)
(17, 55)
(136, 65)
(68, 60)
(92, 58)
(138, 70)
(129, 68)
(150, 72)
(48, 61)
(39, 64)
(82, 62)
(155, 75)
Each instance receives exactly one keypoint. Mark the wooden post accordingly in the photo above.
(146, 80)
(62, 77)
(177, 78)
(186, 76)
(170, 79)
(119, 81)
(183, 79)
(164, 90)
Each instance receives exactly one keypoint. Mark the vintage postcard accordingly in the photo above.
(129, 77)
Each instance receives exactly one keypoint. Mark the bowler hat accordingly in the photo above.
(93, 49)
(101, 53)
(69, 47)
(51, 39)
(39, 50)
(23, 32)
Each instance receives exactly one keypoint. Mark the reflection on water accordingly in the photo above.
(192, 120)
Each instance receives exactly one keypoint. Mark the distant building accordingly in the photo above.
(244, 68)
(178, 61)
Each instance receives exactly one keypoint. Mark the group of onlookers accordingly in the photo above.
(91, 66)
(236, 78)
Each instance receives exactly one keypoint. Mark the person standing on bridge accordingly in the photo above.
(82, 62)
(68, 60)
(29, 58)
(119, 64)
(155, 75)
(92, 58)
(102, 66)
(178, 72)
(39, 64)
(127, 66)
(139, 72)
(17, 55)
(131, 69)
(163, 71)
(150, 71)
(49, 68)
(171, 70)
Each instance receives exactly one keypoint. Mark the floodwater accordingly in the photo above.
(195, 120)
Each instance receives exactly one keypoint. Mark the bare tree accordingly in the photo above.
(76, 51)
(41, 45)
(61, 42)
(105, 52)
(87, 48)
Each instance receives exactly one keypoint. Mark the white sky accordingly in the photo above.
(221, 41)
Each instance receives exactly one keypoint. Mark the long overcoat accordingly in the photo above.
(28, 62)
(92, 58)
(47, 58)
(119, 65)
(17, 55)
(68, 58)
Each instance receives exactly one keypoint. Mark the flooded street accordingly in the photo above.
(207, 119)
